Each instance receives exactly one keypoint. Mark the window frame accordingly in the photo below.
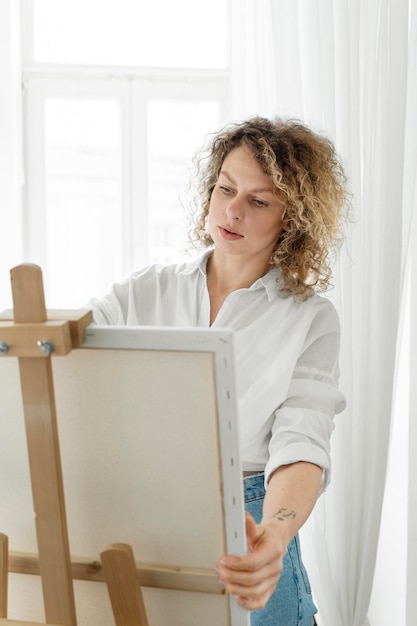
(133, 88)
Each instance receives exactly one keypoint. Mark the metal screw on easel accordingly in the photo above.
(46, 346)
(4, 348)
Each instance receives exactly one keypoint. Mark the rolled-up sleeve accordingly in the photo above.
(303, 423)
(126, 300)
(107, 311)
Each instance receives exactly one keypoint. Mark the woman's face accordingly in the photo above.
(245, 217)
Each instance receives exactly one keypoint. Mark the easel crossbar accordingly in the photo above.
(200, 580)
(24, 339)
(13, 622)
(78, 320)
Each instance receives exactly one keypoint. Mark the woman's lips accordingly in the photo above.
(230, 235)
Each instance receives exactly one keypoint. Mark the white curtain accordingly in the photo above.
(347, 69)
(11, 168)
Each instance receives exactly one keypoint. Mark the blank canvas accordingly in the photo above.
(147, 422)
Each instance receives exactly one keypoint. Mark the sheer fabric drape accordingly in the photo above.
(11, 159)
(346, 68)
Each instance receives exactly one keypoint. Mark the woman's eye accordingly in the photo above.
(260, 203)
(224, 189)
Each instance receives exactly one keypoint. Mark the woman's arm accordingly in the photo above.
(290, 497)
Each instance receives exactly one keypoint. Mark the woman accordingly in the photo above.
(272, 197)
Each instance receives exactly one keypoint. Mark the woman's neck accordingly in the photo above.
(225, 275)
(228, 273)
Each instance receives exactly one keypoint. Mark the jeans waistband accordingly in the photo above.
(254, 486)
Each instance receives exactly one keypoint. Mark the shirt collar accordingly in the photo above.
(271, 281)
(199, 263)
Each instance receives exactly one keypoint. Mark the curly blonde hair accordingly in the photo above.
(303, 166)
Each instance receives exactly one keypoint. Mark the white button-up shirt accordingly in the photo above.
(286, 355)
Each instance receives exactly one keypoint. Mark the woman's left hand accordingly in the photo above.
(252, 578)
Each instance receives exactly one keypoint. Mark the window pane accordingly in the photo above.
(176, 131)
(184, 33)
(83, 198)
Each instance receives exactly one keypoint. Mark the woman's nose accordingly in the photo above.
(235, 209)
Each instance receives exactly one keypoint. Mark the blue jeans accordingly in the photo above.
(291, 604)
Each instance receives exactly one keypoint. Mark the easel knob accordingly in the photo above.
(46, 346)
(4, 348)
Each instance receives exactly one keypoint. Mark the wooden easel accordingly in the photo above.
(32, 336)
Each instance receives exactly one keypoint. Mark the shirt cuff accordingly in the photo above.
(297, 452)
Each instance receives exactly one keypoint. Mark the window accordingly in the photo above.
(138, 33)
(118, 98)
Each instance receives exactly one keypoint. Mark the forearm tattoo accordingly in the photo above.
(282, 514)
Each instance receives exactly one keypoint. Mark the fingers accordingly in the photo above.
(251, 582)
(253, 596)
(251, 528)
(254, 532)
(255, 603)
(248, 580)
(252, 578)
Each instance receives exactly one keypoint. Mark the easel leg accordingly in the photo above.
(44, 455)
(125, 593)
(4, 570)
